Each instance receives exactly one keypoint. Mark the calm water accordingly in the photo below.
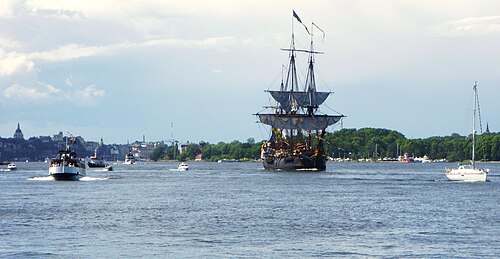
(239, 210)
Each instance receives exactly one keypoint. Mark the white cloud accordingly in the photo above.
(74, 51)
(59, 13)
(67, 52)
(472, 26)
(44, 93)
(69, 81)
(30, 93)
(90, 92)
(7, 43)
(217, 71)
(12, 63)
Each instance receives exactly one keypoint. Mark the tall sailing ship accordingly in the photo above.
(297, 126)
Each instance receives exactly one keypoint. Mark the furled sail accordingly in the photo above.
(299, 122)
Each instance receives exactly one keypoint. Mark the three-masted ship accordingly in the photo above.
(297, 126)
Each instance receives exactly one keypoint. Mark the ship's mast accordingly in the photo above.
(474, 125)
(310, 86)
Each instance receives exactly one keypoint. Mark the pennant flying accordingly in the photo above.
(296, 16)
(320, 30)
(298, 19)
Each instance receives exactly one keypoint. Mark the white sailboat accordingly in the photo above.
(469, 173)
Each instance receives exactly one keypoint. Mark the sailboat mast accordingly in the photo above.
(474, 124)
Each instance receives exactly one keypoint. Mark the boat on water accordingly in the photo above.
(11, 166)
(469, 172)
(108, 168)
(95, 161)
(227, 160)
(129, 158)
(67, 166)
(406, 158)
(425, 159)
(183, 167)
(297, 125)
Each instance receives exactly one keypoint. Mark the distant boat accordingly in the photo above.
(129, 158)
(424, 159)
(406, 158)
(11, 166)
(183, 167)
(95, 161)
(227, 161)
(66, 166)
(108, 168)
(469, 172)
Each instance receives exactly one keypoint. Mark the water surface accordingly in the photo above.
(239, 210)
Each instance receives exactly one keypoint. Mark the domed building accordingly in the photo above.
(18, 134)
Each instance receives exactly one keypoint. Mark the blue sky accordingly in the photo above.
(124, 69)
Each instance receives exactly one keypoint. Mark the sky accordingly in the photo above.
(122, 70)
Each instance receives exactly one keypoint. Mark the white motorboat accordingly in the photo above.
(183, 167)
(11, 166)
(66, 166)
(95, 161)
(129, 158)
(469, 173)
(108, 168)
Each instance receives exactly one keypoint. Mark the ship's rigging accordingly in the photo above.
(295, 119)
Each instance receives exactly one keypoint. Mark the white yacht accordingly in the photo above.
(66, 166)
(11, 166)
(469, 172)
(183, 167)
(129, 158)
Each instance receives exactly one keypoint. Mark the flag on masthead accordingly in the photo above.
(298, 19)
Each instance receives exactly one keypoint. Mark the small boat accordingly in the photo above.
(108, 168)
(469, 173)
(95, 161)
(406, 158)
(183, 167)
(423, 160)
(66, 166)
(129, 158)
(227, 161)
(11, 166)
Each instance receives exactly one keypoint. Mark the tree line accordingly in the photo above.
(354, 144)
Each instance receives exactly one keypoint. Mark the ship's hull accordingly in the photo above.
(466, 175)
(67, 173)
(95, 163)
(295, 163)
(129, 162)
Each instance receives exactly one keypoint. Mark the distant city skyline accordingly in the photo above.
(121, 70)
